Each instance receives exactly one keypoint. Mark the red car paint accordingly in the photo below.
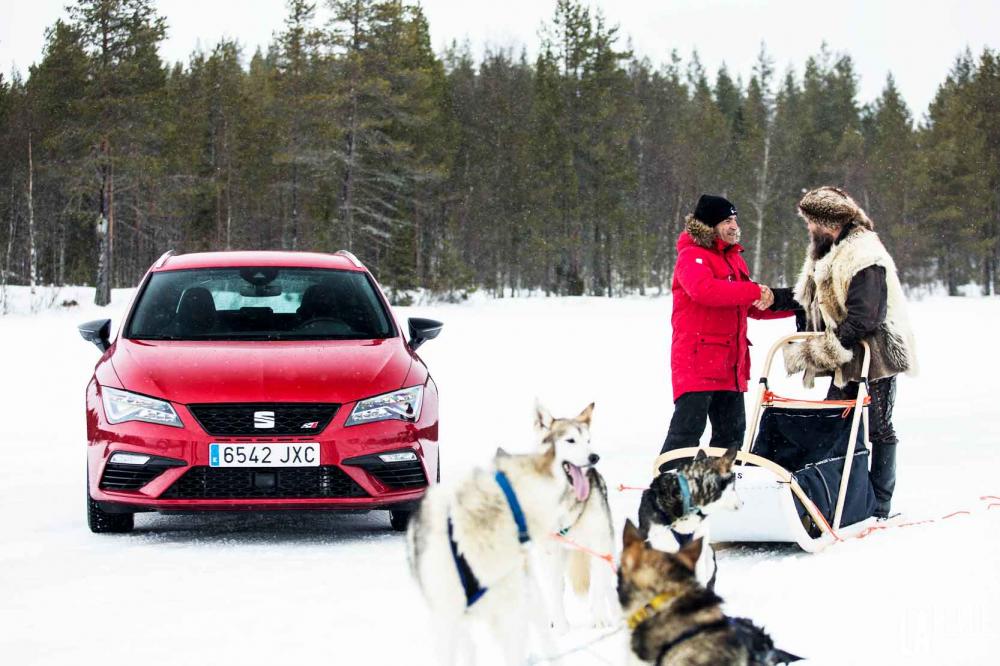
(190, 372)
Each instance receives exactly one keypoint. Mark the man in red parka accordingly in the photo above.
(710, 353)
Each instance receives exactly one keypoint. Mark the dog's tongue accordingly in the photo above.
(581, 484)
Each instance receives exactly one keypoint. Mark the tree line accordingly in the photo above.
(567, 173)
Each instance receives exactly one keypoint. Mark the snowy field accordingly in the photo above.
(335, 589)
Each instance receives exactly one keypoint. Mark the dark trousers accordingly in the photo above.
(724, 409)
(881, 433)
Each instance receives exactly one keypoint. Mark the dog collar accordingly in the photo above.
(652, 607)
(515, 507)
(685, 492)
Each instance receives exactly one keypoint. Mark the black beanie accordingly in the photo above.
(712, 209)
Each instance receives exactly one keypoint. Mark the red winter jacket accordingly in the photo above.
(712, 298)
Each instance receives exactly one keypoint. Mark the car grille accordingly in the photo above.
(277, 483)
(231, 419)
(398, 475)
(117, 476)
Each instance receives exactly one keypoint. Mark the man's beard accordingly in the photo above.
(821, 244)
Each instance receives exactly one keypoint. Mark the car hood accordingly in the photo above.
(276, 371)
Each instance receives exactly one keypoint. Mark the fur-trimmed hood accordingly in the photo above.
(704, 236)
(833, 207)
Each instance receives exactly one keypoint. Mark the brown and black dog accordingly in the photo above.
(675, 621)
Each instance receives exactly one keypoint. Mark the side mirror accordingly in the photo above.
(422, 330)
(98, 332)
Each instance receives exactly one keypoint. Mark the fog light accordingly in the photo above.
(129, 459)
(403, 456)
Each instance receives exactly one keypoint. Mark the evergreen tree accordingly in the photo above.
(120, 38)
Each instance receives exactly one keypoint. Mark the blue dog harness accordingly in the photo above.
(470, 584)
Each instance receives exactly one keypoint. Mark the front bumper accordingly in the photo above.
(345, 479)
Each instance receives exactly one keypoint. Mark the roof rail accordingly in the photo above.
(163, 259)
(350, 257)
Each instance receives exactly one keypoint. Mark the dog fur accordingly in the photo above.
(661, 509)
(588, 524)
(687, 627)
(547, 484)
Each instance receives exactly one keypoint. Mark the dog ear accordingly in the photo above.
(502, 452)
(727, 459)
(700, 455)
(689, 554)
(543, 419)
(586, 414)
(632, 546)
(630, 534)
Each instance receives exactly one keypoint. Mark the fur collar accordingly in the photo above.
(701, 233)
(860, 249)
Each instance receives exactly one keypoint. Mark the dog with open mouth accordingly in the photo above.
(588, 524)
(674, 620)
(469, 545)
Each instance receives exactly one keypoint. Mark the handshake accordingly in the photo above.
(766, 299)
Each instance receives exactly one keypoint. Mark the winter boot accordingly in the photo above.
(883, 476)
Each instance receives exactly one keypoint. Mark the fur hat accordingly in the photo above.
(832, 207)
(712, 209)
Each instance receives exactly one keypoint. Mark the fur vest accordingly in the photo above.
(822, 290)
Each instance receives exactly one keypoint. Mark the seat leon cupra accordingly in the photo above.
(258, 381)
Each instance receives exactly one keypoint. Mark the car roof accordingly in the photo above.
(232, 259)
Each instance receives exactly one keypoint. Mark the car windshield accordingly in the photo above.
(266, 303)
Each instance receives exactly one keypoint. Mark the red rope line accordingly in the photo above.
(607, 557)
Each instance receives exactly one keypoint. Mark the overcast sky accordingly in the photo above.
(917, 45)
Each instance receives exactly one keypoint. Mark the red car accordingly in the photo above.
(257, 381)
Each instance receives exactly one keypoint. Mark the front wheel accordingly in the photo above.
(399, 519)
(102, 522)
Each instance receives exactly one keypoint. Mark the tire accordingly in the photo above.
(101, 522)
(399, 519)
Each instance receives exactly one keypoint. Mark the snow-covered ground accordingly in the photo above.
(335, 589)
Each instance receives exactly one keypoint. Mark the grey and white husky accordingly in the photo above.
(468, 546)
(674, 620)
(588, 524)
(678, 503)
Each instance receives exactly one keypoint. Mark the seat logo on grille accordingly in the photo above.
(263, 419)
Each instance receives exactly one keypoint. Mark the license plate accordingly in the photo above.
(284, 454)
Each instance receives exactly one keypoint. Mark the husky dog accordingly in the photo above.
(675, 508)
(588, 523)
(674, 620)
(468, 546)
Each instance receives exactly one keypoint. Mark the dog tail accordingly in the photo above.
(579, 571)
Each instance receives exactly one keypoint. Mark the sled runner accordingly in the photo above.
(802, 471)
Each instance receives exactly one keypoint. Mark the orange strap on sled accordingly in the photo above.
(771, 398)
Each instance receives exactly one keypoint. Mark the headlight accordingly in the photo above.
(121, 406)
(403, 405)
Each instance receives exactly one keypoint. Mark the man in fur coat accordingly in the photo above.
(850, 291)
(709, 351)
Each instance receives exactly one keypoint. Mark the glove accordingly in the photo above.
(819, 354)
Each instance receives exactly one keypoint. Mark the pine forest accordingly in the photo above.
(567, 173)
